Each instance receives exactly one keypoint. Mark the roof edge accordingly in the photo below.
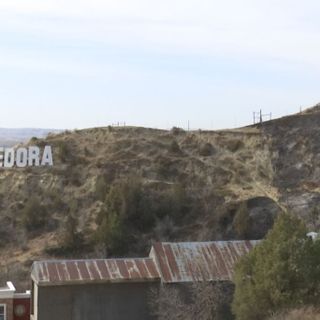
(89, 282)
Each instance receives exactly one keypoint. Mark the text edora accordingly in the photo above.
(25, 157)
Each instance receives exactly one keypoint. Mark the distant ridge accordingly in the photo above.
(12, 136)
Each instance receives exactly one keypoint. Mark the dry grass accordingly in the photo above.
(229, 167)
(308, 313)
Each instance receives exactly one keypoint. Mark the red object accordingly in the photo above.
(21, 309)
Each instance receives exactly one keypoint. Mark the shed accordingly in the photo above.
(92, 289)
(118, 289)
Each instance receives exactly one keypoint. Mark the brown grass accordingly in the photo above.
(308, 313)
(82, 156)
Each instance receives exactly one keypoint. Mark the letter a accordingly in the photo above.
(47, 156)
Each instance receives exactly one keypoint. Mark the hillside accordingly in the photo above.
(176, 185)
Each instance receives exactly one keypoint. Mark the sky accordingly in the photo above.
(80, 63)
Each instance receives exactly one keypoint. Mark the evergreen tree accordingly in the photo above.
(281, 272)
(71, 239)
(126, 211)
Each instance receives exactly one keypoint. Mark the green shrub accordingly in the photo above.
(179, 202)
(313, 217)
(280, 273)
(166, 168)
(87, 152)
(176, 131)
(242, 222)
(71, 239)
(55, 197)
(33, 214)
(101, 188)
(73, 176)
(172, 202)
(63, 151)
(175, 148)
(126, 212)
(206, 150)
(233, 145)
(111, 233)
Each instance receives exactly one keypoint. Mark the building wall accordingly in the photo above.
(9, 307)
(121, 301)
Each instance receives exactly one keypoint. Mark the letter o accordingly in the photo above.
(22, 157)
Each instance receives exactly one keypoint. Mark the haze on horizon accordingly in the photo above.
(78, 64)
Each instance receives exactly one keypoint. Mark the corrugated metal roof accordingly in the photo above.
(89, 271)
(192, 261)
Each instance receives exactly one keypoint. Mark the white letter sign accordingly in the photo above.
(22, 157)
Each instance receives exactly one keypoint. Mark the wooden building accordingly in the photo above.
(118, 289)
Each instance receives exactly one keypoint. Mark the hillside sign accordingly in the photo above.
(22, 157)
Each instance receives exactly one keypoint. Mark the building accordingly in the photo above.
(119, 289)
(14, 306)
(92, 289)
(196, 261)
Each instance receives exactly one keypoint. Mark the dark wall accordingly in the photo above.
(121, 301)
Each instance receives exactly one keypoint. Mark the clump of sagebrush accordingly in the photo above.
(33, 214)
(63, 151)
(242, 221)
(174, 148)
(101, 188)
(280, 273)
(206, 150)
(71, 239)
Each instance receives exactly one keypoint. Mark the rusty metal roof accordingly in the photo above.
(194, 261)
(89, 271)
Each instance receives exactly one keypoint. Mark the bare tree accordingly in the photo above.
(167, 304)
(202, 300)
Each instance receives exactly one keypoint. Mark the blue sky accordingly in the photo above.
(76, 64)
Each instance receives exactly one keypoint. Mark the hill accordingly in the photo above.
(140, 185)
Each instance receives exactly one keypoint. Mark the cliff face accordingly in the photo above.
(197, 186)
(295, 146)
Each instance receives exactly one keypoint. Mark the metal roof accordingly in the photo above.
(65, 272)
(196, 261)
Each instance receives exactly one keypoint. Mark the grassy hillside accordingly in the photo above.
(160, 185)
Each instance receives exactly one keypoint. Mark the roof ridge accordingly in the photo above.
(86, 260)
(207, 242)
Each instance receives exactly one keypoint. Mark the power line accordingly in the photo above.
(259, 117)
